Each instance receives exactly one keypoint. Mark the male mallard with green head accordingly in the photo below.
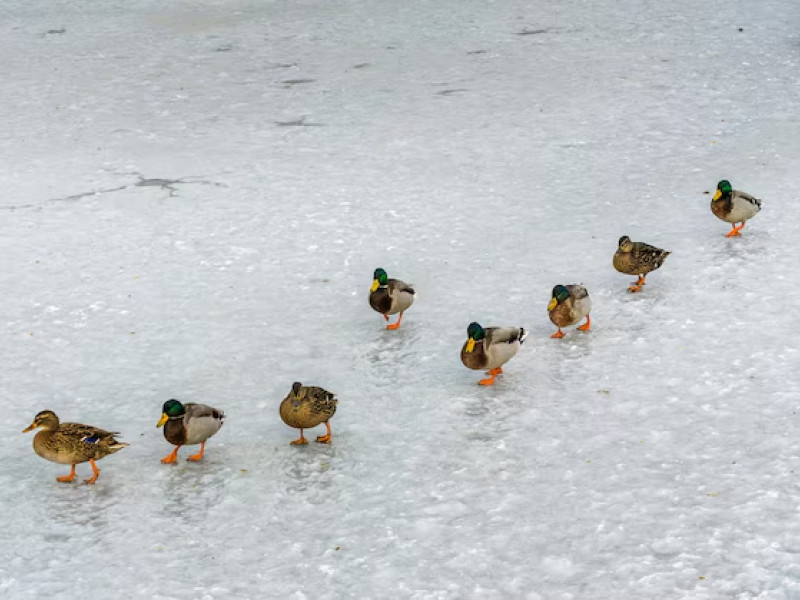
(306, 407)
(71, 443)
(491, 348)
(733, 206)
(569, 304)
(188, 424)
(638, 258)
(390, 296)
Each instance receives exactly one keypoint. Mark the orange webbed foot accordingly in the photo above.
(199, 455)
(735, 232)
(325, 439)
(301, 441)
(67, 478)
(558, 334)
(397, 324)
(488, 381)
(171, 458)
(586, 326)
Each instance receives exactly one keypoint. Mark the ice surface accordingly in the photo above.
(195, 195)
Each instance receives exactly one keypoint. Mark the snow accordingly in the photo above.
(195, 196)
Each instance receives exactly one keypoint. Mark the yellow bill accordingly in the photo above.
(717, 195)
(470, 345)
(164, 418)
(552, 304)
(375, 285)
(30, 427)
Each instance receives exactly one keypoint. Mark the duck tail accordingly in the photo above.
(116, 446)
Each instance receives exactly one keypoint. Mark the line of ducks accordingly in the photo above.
(306, 407)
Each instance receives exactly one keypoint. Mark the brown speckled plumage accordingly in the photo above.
(307, 406)
(71, 443)
(638, 258)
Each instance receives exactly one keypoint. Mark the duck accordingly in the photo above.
(734, 206)
(491, 348)
(306, 407)
(188, 424)
(569, 304)
(638, 258)
(72, 443)
(390, 296)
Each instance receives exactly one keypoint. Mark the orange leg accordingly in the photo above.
(638, 285)
(385, 317)
(96, 471)
(587, 325)
(68, 478)
(172, 458)
(199, 455)
(299, 441)
(325, 439)
(395, 325)
(558, 334)
(736, 231)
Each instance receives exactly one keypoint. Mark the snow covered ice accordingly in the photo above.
(196, 194)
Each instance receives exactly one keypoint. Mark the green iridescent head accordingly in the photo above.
(560, 293)
(171, 409)
(381, 276)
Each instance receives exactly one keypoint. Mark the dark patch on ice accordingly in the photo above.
(474, 52)
(225, 48)
(451, 91)
(290, 82)
(301, 122)
(56, 31)
(533, 31)
(362, 65)
(283, 66)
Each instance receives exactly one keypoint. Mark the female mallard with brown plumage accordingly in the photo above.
(491, 348)
(188, 424)
(734, 206)
(638, 258)
(569, 304)
(306, 407)
(72, 443)
(390, 296)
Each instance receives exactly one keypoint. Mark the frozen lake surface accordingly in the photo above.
(195, 195)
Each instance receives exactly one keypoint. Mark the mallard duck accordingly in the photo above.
(390, 296)
(72, 443)
(569, 304)
(188, 424)
(306, 407)
(491, 348)
(638, 258)
(733, 206)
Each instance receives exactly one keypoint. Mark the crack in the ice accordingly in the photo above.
(301, 122)
(164, 184)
